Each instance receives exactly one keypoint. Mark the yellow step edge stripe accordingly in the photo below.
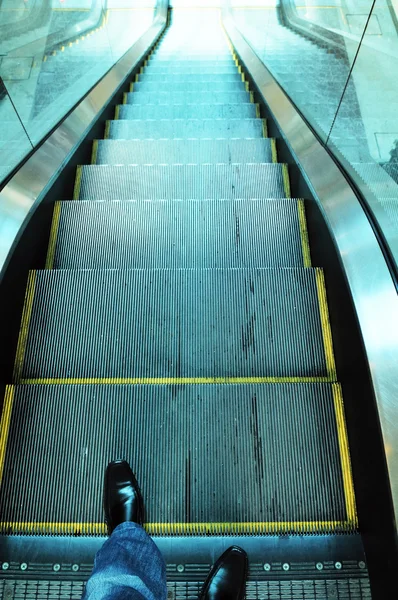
(243, 76)
(265, 128)
(5, 425)
(107, 128)
(24, 329)
(132, 86)
(78, 182)
(305, 245)
(183, 528)
(53, 236)
(274, 152)
(94, 152)
(170, 380)
(117, 111)
(247, 86)
(124, 97)
(286, 180)
(252, 97)
(345, 456)
(258, 111)
(325, 322)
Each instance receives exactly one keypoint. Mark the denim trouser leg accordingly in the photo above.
(129, 566)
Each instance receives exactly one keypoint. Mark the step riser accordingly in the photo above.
(194, 111)
(176, 324)
(194, 86)
(215, 234)
(187, 78)
(183, 129)
(119, 152)
(182, 426)
(175, 182)
(187, 97)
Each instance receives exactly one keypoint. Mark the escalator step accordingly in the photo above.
(177, 68)
(187, 63)
(187, 78)
(190, 86)
(187, 97)
(215, 234)
(122, 152)
(284, 447)
(188, 111)
(181, 182)
(188, 323)
(186, 128)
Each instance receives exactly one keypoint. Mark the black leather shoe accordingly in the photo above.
(122, 496)
(227, 579)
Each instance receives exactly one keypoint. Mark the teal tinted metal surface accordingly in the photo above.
(51, 55)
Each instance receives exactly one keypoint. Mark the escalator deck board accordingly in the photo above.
(192, 323)
(191, 234)
(281, 447)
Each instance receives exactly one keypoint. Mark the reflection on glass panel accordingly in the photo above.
(370, 152)
(52, 52)
(126, 21)
(313, 72)
(14, 143)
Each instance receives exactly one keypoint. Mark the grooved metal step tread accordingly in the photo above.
(188, 111)
(187, 63)
(187, 78)
(181, 182)
(196, 234)
(177, 68)
(189, 86)
(122, 152)
(187, 97)
(193, 323)
(185, 128)
(283, 447)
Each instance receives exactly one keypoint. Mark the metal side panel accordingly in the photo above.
(199, 151)
(188, 111)
(191, 86)
(24, 190)
(186, 97)
(188, 128)
(156, 234)
(182, 182)
(212, 324)
(279, 445)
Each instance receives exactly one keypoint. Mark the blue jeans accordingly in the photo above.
(129, 566)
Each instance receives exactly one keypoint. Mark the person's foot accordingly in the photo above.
(227, 578)
(122, 496)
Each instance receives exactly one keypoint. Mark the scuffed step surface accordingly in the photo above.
(187, 78)
(188, 111)
(186, 128)
(189, 86)
(219, 234)
(277, 445)
(180, 182)
(176, 68)
(187, 97)
(122, 152)
(175, 323)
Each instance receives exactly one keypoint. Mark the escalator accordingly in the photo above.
(181, 323)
